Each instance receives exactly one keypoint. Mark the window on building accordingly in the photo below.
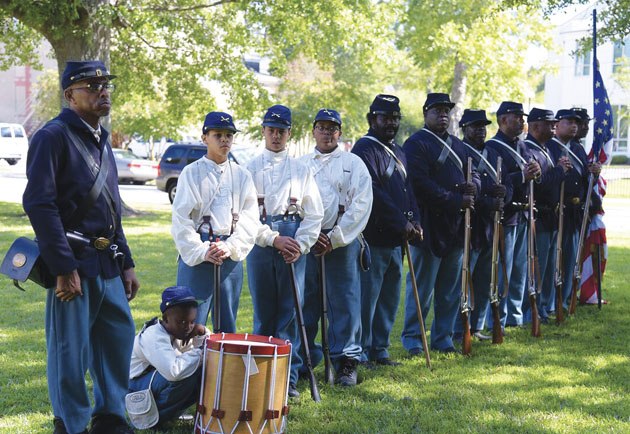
(621, 117)
(582, 63)
(620, 49)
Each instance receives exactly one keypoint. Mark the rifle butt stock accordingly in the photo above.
(535, 320)
(559, 308)
(573, 305)
(497, 333)
(466, 339)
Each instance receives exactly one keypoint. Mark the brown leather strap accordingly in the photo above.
(206, 221)
(234, 221)
(261, 203)
(272, 414)
(245, 416)
(218, 413)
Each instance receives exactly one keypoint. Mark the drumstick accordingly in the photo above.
(324, 325)
(300, 318)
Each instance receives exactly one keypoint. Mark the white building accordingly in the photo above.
(572, 85)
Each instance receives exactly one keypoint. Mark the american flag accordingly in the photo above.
(601, 151)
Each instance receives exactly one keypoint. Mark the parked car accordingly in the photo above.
(13, 143)
(134, 169)
(175, 158)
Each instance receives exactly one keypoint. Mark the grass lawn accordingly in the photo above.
(576, 378)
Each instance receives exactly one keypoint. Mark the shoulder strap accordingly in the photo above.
(484, 165)
(540, 148)
(447, 151)
(575, 160)
(518, 159)
(396, 160)
(100, 175)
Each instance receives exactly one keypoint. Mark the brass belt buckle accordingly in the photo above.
(101, 243)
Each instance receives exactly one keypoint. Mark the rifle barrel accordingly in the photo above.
(497, 333)
(558, 262)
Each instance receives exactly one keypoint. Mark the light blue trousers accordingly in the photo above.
(272, 294)
(171, 397)
(571, 237)
(546, 246)
(437, 278)
(380, 295)
(200, 279)
(510, 307)
(343, 300)
(94, 331)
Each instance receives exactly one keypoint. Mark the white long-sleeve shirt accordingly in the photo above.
(207, 188)
(278, 177)
(338, 174)
(156, 347)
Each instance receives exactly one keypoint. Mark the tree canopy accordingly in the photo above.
(334, 53)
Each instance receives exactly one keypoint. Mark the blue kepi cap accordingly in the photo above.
(434, 99)
(277, 116)
(385, 104)
(218, 121)
(77, 70)
(510, 107)
(473, 116)
(537, 114)
(328, 115)
(568, 114)
(174, 295)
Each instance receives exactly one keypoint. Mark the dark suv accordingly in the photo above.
(173, 161)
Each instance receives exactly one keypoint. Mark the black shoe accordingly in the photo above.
(60, 427)
(293, 392)
(386, 361)
(416, 351)
(450, 350)
(367, 365)
(109, 424)
(481, 336)
(544, 320)
(347, 375)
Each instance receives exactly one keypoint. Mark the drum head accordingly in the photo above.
(240, 344)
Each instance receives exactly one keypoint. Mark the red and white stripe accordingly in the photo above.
(596, 235)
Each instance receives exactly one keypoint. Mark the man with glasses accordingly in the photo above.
(73, 203)
(393, 220)
(290, 214)
(346, 190)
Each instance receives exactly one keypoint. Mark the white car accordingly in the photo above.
(13, 143)
(134, 169)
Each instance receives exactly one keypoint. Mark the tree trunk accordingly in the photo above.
(458, 95)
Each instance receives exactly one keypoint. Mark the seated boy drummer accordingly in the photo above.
(172, 347)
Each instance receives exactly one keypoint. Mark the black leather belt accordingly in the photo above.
(99, 243)
(516, 206)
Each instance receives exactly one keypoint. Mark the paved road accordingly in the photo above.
(13, 183)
